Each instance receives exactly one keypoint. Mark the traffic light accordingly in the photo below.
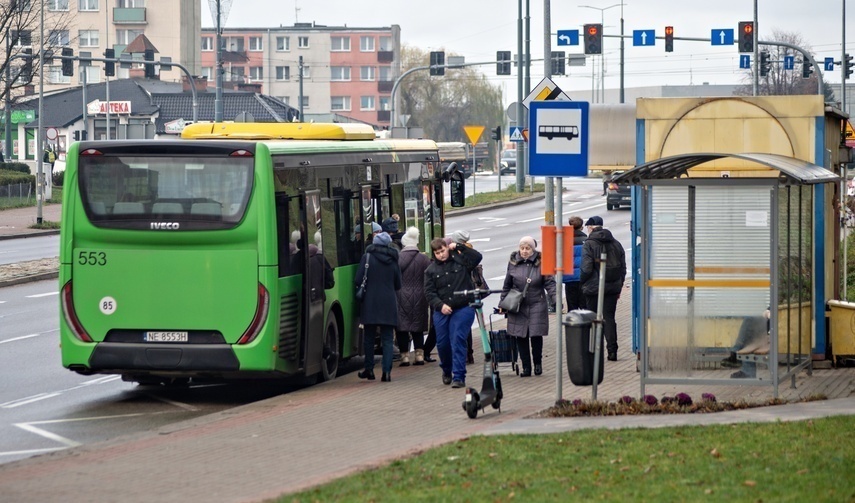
(847, 60)
(558, 62)
(669, 39)
(109, 66)
(746, 36)
(765, 65)
(27, 68)
(806, 69)
(148, 56)
(67, 62)
(437, 58)
(593, 39)
(503, 62)
(76, 135)
(496, 134)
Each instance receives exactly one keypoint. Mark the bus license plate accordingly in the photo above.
(165, 337)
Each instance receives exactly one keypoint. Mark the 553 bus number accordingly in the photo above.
(92, 258)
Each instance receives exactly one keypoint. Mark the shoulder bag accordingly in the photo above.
(513, 299)
(360, 290)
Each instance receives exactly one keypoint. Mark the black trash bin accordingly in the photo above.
(579, 335)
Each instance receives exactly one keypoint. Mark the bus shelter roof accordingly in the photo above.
(792, 171)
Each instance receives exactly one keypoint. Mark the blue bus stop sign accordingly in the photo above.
(559, 138)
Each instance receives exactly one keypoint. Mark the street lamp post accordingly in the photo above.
(602, 56)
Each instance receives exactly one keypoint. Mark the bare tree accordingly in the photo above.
(20, 30)
(779, 81)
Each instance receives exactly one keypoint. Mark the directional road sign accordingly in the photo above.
(643, 37)
(744, 61)
(545, 90)
(516, 134)
(721, 36)
(829, 64)
(789, 62)
(559, 138)
(568, 37)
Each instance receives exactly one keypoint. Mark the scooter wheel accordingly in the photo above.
(498, 401)
(472, 404)
(496, 404)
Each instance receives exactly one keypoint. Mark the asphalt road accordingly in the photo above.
(45, 407)
(13, 251)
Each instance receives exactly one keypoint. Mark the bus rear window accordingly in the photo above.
(196, 193)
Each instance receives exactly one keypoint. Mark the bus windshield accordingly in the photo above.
(132, 192)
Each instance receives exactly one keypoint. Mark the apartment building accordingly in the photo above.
(172, 26)
(345, 70)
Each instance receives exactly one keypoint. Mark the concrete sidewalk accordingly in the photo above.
(297, 440)
(15, 223)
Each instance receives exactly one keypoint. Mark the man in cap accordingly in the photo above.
(601, 240)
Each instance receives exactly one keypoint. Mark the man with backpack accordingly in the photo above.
(601, 240)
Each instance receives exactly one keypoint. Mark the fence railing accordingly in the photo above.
(16, 191)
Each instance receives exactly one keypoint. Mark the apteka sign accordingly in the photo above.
(116, 107)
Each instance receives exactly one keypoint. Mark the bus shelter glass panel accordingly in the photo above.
(709, 278)
(795, 279)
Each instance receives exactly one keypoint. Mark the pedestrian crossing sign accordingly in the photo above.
(517, 135)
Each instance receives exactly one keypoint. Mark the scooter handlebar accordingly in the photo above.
(476, 292)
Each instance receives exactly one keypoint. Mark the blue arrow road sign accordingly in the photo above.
(643, 37)
(558, 138)
(568, 37)
(829, 64)
(744, 61)
(722, 36)
(789, 62)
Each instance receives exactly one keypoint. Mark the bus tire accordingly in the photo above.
(331, 354)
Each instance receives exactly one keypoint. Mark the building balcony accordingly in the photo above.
(133, 15)
(385, 86)
(385, 56)
(384, 115)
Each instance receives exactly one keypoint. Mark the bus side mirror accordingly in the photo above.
(458, 190)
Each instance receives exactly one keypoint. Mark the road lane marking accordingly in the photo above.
(42, 295)
(28, 400)
(28, 336)
(479, 229)
(492, 249)
(46, 434)
(497, 278)
(181, 405)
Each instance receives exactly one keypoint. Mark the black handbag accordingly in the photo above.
(360, 290)
(513, 299)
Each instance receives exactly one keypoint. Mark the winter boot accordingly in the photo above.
(405, 359)
(420, 357)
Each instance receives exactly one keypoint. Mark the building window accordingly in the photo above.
(235, 74)
(366, 103)
(125, 37)
(285, 99)
(385, 74)
(207, 43)
(385, 103)
(85, 5)
(366, 73)
(57, 5)
(283, 73)
(339, 103)
(93, 74)
(283, 43)
(255, 44)
(307, 72)
(208, 72)
(340, 73)
(55, 76)
(130, 4)
(58, 37)
(88, 38)
(233, 44)
(21, 38)
(23, 5)
(256, 73)
(303, 42)
(305, 102)
(340, 44)
(366, 44)
(385, 43)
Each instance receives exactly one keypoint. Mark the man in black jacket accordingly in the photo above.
(451, 271)
(600, 240)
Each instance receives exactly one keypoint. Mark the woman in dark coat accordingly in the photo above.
(379, 308)
(532, 320)
(412, 303)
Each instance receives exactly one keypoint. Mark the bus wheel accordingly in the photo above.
(329, 365)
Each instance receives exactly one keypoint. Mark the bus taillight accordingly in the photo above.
(241, 153)
(91, 151)
(260, 317)
(71, 316)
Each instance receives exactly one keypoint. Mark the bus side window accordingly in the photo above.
(286, 209)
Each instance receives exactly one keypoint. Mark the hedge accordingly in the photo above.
(8, 177)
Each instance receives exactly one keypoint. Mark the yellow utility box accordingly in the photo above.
(842, 328)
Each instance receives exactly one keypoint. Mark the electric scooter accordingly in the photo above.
(491, 386)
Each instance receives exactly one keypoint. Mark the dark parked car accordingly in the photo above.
(617, 195)
(508, 163)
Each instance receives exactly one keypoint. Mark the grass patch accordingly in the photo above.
(46, 224)
(793, 461)
(507, 194)
(7, 203)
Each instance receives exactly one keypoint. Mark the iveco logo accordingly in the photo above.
(173, 226)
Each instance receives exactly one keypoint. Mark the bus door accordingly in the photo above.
(368, 213)
(313, 284)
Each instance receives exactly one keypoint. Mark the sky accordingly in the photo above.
(476, 29)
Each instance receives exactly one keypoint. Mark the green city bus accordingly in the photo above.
(231, 252)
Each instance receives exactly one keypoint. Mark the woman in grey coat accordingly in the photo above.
(532, 320)
(412, 303)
